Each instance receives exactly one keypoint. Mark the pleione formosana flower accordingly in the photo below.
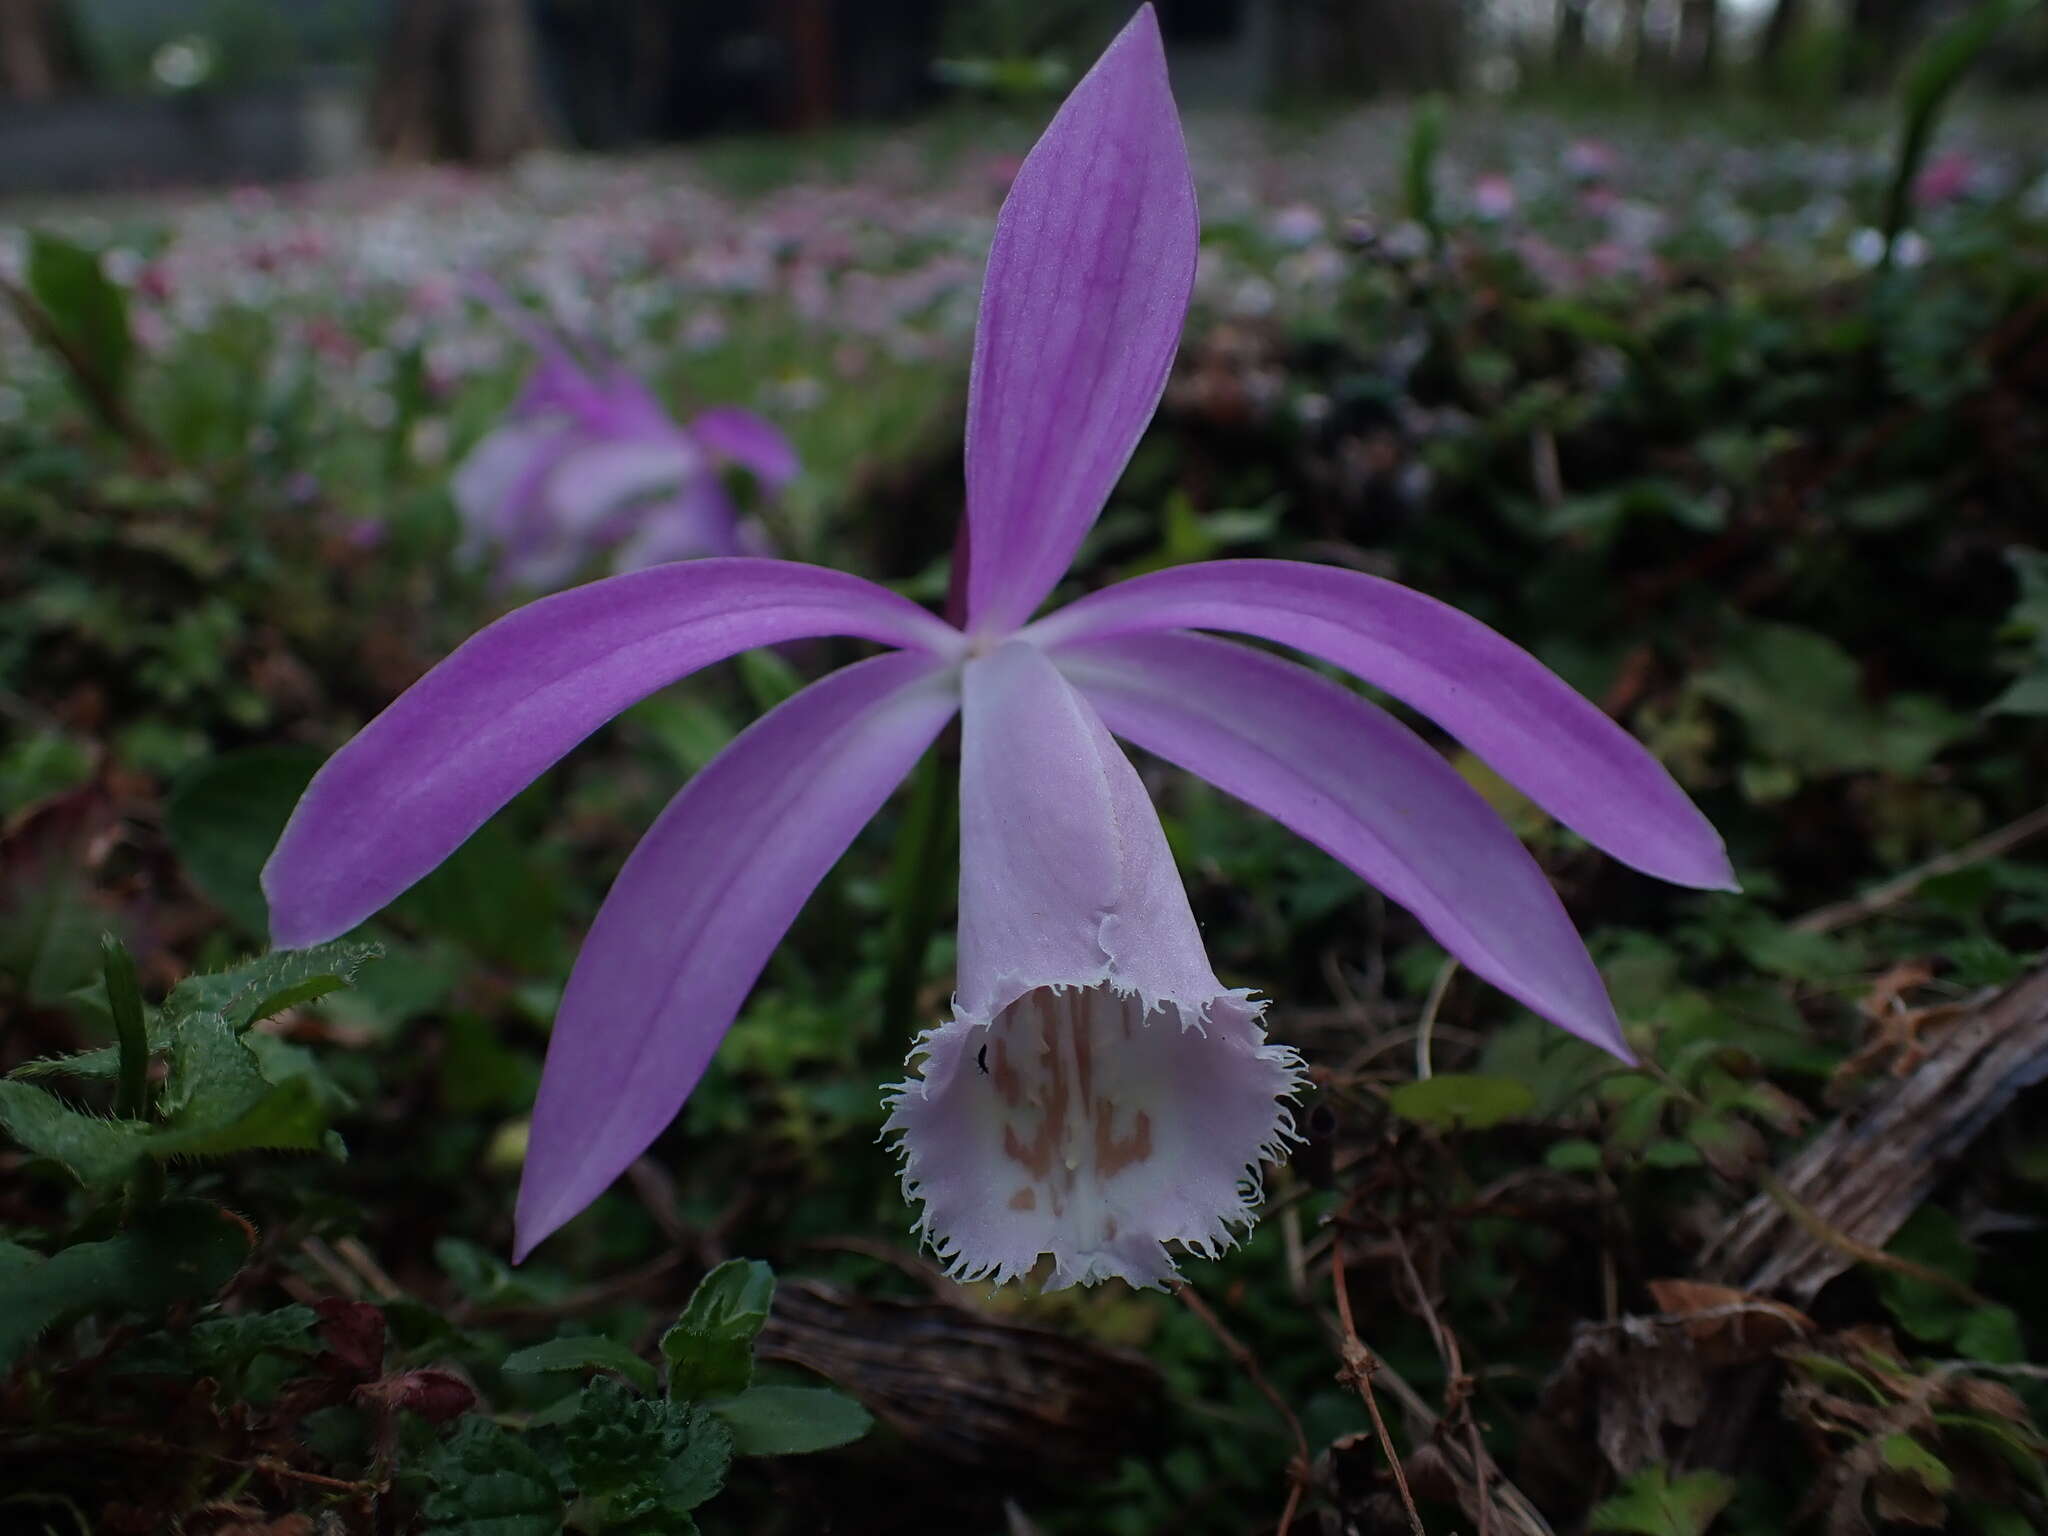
(589, 465)
(1097, 1095)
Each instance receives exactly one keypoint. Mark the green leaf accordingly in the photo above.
(1991, 1334)
(217, 1100)
(224, 816)
(2019, 1445)
(38, 765)
(1577, 1155)
(788, 1421)
(769, 680)
(221, 1345)
(1800, 696)
(243, 995)
(1462, 1098)
(710, 1350)
(182, 1250)
(1672, 1154)
(98, 1153)
(1653, 1503)
(1902, 1453)
(224, 1348)
(583, 1353)
(485, 1278)
(1924, 1309)
(490, 896)
(1418, 170)
(89, 310)
(266, 986)
(489, 1482)
(287, 1118)
(124, 1004)
(2028, 696)
(640, 1454)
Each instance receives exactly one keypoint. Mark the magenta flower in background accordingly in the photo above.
(1946, 178)
(1097, 1093)
(589, 465)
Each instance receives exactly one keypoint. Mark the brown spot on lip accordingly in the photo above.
(1025, 1199)
(1113, 1156)
(1009, 1086)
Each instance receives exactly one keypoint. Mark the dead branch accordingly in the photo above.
(1853, 1186)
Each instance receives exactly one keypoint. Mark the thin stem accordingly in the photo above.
(1425, 1032)
(1249, 1364)
(917, 883)
(1897, 889)
(124, 1001)
(1359, 1365)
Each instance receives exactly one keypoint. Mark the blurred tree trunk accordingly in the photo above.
(1366, 47)
(1568, 49)
(1699, 41)
(1879, 33)
(1786, 18)
(806, 31)
(1642, 61)
(39, 49)
(459, 81)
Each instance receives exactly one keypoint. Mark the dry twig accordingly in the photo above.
(1359, 1366)
(1297, 1472)
(1992, 844)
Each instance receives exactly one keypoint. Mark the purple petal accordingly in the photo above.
(1503, 703)
(1087, 286)
(597, 478)
(700, 521)
(496, 488)
(699, 907)
(742, 438)
(516, 696)
(1364, 788)
(560, 386)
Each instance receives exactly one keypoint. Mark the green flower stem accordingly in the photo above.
(124, 1000)
(917, 883)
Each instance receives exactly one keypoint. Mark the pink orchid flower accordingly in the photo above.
(588, 464)
(1097, 1094)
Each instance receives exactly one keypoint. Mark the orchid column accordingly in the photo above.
(1097, 1094)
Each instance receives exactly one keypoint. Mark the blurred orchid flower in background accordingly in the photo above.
(1097, 1093)
(589, 466)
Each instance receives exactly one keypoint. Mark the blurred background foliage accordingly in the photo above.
(1701, 348)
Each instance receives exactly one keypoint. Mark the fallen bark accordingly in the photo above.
(1854, 1184)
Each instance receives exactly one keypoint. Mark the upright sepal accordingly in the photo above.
(1081, 311)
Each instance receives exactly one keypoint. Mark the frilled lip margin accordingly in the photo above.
(1078, 1122)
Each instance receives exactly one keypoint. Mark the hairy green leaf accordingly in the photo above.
(710, 1350)
(583, 1353)
(641, 1454)
(489, 1482)
(787, 1421)
(98, 1152)
(181, 1250)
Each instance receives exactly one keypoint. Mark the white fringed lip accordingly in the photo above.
(1082, 1125)
(1098, 1096)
